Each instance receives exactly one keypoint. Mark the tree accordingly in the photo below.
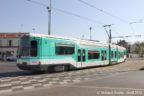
(124, 44)
(137, 50)
(140, 48)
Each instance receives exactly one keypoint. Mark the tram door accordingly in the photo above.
(79, 63)
(81, 57)
(104, 56)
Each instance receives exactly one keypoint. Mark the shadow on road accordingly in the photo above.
(18, 73)
(142, 69)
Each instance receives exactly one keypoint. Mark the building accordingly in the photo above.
(9, 43)
(133, 48)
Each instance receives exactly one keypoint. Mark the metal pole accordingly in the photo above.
(49, 24)
(110, 45)
(110, 37)
(90, 33)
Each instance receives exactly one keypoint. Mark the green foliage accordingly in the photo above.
(137, 50)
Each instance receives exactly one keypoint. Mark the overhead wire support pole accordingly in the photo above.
(110, 37)
(49, 8)
(106, 30)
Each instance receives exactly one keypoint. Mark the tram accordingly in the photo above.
(39, 52)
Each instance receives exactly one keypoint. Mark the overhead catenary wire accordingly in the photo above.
(38, 3)
(103, 11)
(67, 12)
(76, 15)
(128, 36)
(107, 13)
(116, 31)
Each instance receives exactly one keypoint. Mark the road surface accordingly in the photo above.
(124, 79)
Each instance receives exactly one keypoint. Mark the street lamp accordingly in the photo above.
(33, 30)
(90, 28)
(134, 22)
(49, 11)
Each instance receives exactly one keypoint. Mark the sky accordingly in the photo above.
(24, 16)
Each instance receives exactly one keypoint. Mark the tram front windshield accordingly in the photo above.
(24, 46)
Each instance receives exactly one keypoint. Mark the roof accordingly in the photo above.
(78, 41)
(5, 35)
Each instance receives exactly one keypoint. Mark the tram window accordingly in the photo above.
(64, 49)
(111, 54)
(93, 54)
(115, 54)
(119, 55)
(105, 55)
(124, 52)
(79, 55)
(83, 55)
(33, 49)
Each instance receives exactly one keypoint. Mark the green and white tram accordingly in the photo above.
(39, 52)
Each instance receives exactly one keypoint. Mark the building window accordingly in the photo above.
(64, 49)
(93, 54)
(9, 43)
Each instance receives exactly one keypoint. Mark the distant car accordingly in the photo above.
(12, 57)
(142, 55)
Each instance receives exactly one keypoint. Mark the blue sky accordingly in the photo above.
(23, 16)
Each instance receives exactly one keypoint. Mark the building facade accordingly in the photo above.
(9, 43)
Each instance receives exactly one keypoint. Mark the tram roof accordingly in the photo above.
(78, 41)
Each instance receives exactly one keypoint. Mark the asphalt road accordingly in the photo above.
(9, 68)
(6, 66)
(127, 84)
(125, 79)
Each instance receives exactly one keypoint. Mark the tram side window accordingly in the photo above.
(111, 54)
(102, 55)
(124, 52)
(105, 55)
(115, 54)
(119, 55)
(33, 49)
(64, 49)
(93, 54)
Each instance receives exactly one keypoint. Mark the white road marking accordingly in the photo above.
(114, 88)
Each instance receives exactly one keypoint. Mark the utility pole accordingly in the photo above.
(90, 28)
(108, 31)
(49, 24)
(49, 9)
